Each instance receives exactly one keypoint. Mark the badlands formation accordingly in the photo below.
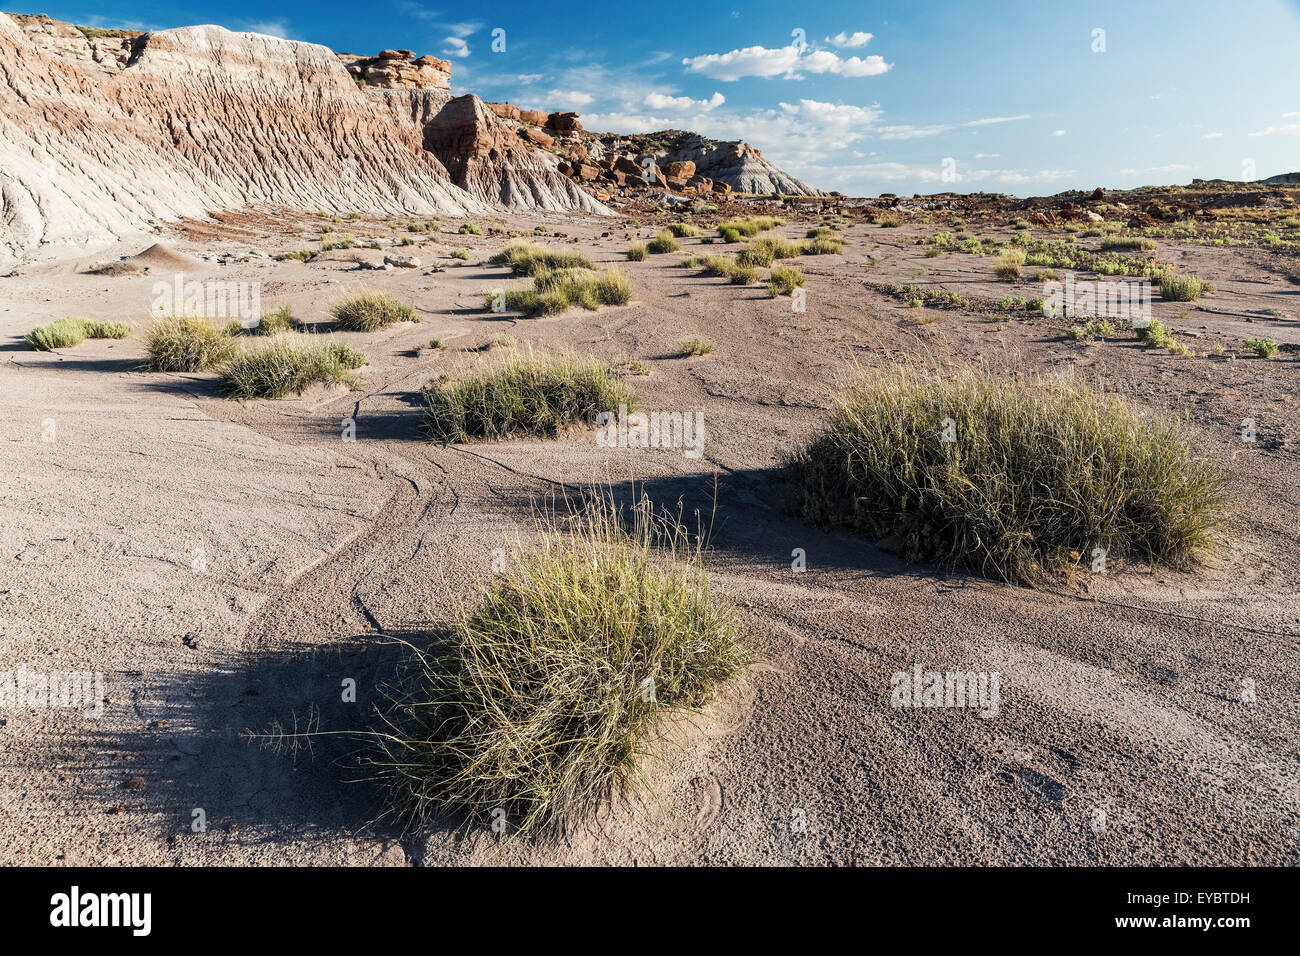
(230, 566)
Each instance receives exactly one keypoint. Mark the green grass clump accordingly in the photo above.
(1129, 242)
(370, 311)
(889, 221)
(557, 290)
(635, 253)
(461, 254)
(556, 682)
(822, 232)
(1037, 473)
(747, 228)
(1264, 348)
(526, 258)
(694, 347)
(783, 280)
(824, 246)
(283, 366)
(724, 268)
(683, 230)
(1181, 288)
(1097, 329)
(65, 333)
(469, 229)
(273, 323)
(664, 242)
(187, 344)
(532, 393)
(1008, 265)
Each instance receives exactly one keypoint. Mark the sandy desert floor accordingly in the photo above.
(1120, 692)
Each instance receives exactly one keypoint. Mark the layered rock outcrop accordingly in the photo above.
(201, 119)
(398, 70)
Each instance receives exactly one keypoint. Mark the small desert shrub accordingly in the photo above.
(1154, 333)
(889, 221)
(301, 255)
(1008, 265)
(540, 231)
(435, 344)
(370, 311)
(533, 393)
(746, 228)
(694, 347)
(724, 268)
(1181, 288)
(1037, 473)
(526, 258)
(461, 254)
(1264, 348)
(65, 333)
(822, 232)
(273, 323)
(635, 253)
(730, 234)
(469, 229)
(664, 242)
(187, 344)
(683, 230)
(833, 246)
(1097, 329)
(557, 290)
(283, 366)
(1129, 242)
(537, 703)
(783, 280)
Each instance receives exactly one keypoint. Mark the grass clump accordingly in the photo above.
(556, 682)
(683, 230)
(273, 323)
(692, 347)
(889, 221)
(1264, 348)
(370, 311)
(283, 366)
(469, 229)
(783, 280)
(557, 290)
(1129, 242)
(461, 254)
(664, 242)
(636, 253)
(1154, 333)
(1033, 474)
(526, 258)
(747, 228)
(65, 333)
(187, 343)
(1181, 288)
(822, 232)
(532, 393)
(723, 268)
(1008, 265)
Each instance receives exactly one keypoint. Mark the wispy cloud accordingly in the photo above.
(572, 99)
(1274, 130)
(849, 40)
(917, 132)
(658, 101)
(455, 47)
(786, 62)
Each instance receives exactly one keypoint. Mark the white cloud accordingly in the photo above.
(272, 28)
(1212, 136)
(569, 98)
(987, 156)
(1272, 130)
(916, 132)
(658, 101)
(526, 78)
(855, 39)
(455, 46)
(786, 62)
(1058, 132)
(1291, 114)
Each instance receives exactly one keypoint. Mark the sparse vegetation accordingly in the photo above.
(369, 311)
(692, 347)
(1264, 348)
(664, 242)
(724, 268)
(1181, 288)
(461, 254)
(533, 393)
(635, 253)
(537, 705)
(1009, 475)
(65, 333)
(747, 228)
(527, 258)
(187, 344)
(469, 229)
(557, 290)
(783, 280)
(1008, 265)
(683, 230)
(889, 221)
(283, 366)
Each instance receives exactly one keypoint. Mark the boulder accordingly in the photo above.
(402, 262)
(536, 137)
(679, 170)
(532, 117)
(585, 171)
(563, 122)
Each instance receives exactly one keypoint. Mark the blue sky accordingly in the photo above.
(1017, 96)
